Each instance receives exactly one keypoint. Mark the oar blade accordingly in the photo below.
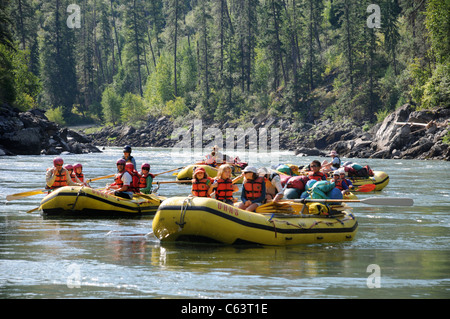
(24, 194)
(366, 188)
(388, 201)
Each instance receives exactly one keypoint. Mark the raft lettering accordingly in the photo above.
(198, 309)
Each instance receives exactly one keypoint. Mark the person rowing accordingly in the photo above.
(122, 182)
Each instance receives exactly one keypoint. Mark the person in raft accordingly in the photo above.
(253, 190)
(334, 164)
(201, 183)
(78, 171)
(69, 167)
(223, 185)
(340, 182)
(122, 182)
(274, 190)
(127, 155)
(58, 176)
(315, 172)
(145, 179)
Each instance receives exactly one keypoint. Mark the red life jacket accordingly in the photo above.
(253, 188)
(143, 180)
(338, 184)
(133, 187)
(60, 181)
(319, 176)
(224, 190)
(200, 187)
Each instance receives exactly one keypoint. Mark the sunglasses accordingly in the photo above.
(314, 166)
(120, 164)
(146, 168)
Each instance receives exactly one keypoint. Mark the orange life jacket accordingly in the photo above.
(200, 187)
(80, 177)
(60, 181)
(319, 176)
(253, 188)
(224, 190)
(72, 176)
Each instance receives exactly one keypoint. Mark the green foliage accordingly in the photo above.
(176, 108)
(111, 105)
(133, 108)
(224, 60)
(56, 115)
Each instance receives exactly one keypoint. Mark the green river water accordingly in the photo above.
(398, 252)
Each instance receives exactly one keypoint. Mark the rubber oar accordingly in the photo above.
(25, 194)
(386, 201)
(365, 188)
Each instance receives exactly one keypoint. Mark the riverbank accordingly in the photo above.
(31, 133)
(405, 134)
(389, 139)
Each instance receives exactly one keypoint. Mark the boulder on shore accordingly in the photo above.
(31, 133)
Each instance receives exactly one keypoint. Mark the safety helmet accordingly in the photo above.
(127, 149)
(77, 165)
(120, 161)
(129, 166)
(145, 165)
(58, 161)
(68, 167)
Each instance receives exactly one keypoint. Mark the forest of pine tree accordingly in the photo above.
(116, 61)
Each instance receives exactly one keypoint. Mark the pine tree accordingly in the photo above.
(56, 42)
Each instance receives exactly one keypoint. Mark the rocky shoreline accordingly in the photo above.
(386, 140)
(31, 133)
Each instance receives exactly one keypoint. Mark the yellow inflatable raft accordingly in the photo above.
(187, 172)
(83, 201)
(206, 219)
(380, 179)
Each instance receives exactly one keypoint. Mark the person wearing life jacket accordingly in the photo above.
(78, 171)
(253, 190)
(134, 186)
(223, 185)
(274, 189)
(58, 176)
(340, 183)
(127, 155)
(315, 172)
(122, 182)
(74, 178)
(201, 183)
(145, 179)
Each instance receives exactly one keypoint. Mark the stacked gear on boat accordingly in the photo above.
(321, 190)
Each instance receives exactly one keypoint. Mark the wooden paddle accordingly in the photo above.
(387, 201)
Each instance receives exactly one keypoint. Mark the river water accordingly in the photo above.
(398, 252)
